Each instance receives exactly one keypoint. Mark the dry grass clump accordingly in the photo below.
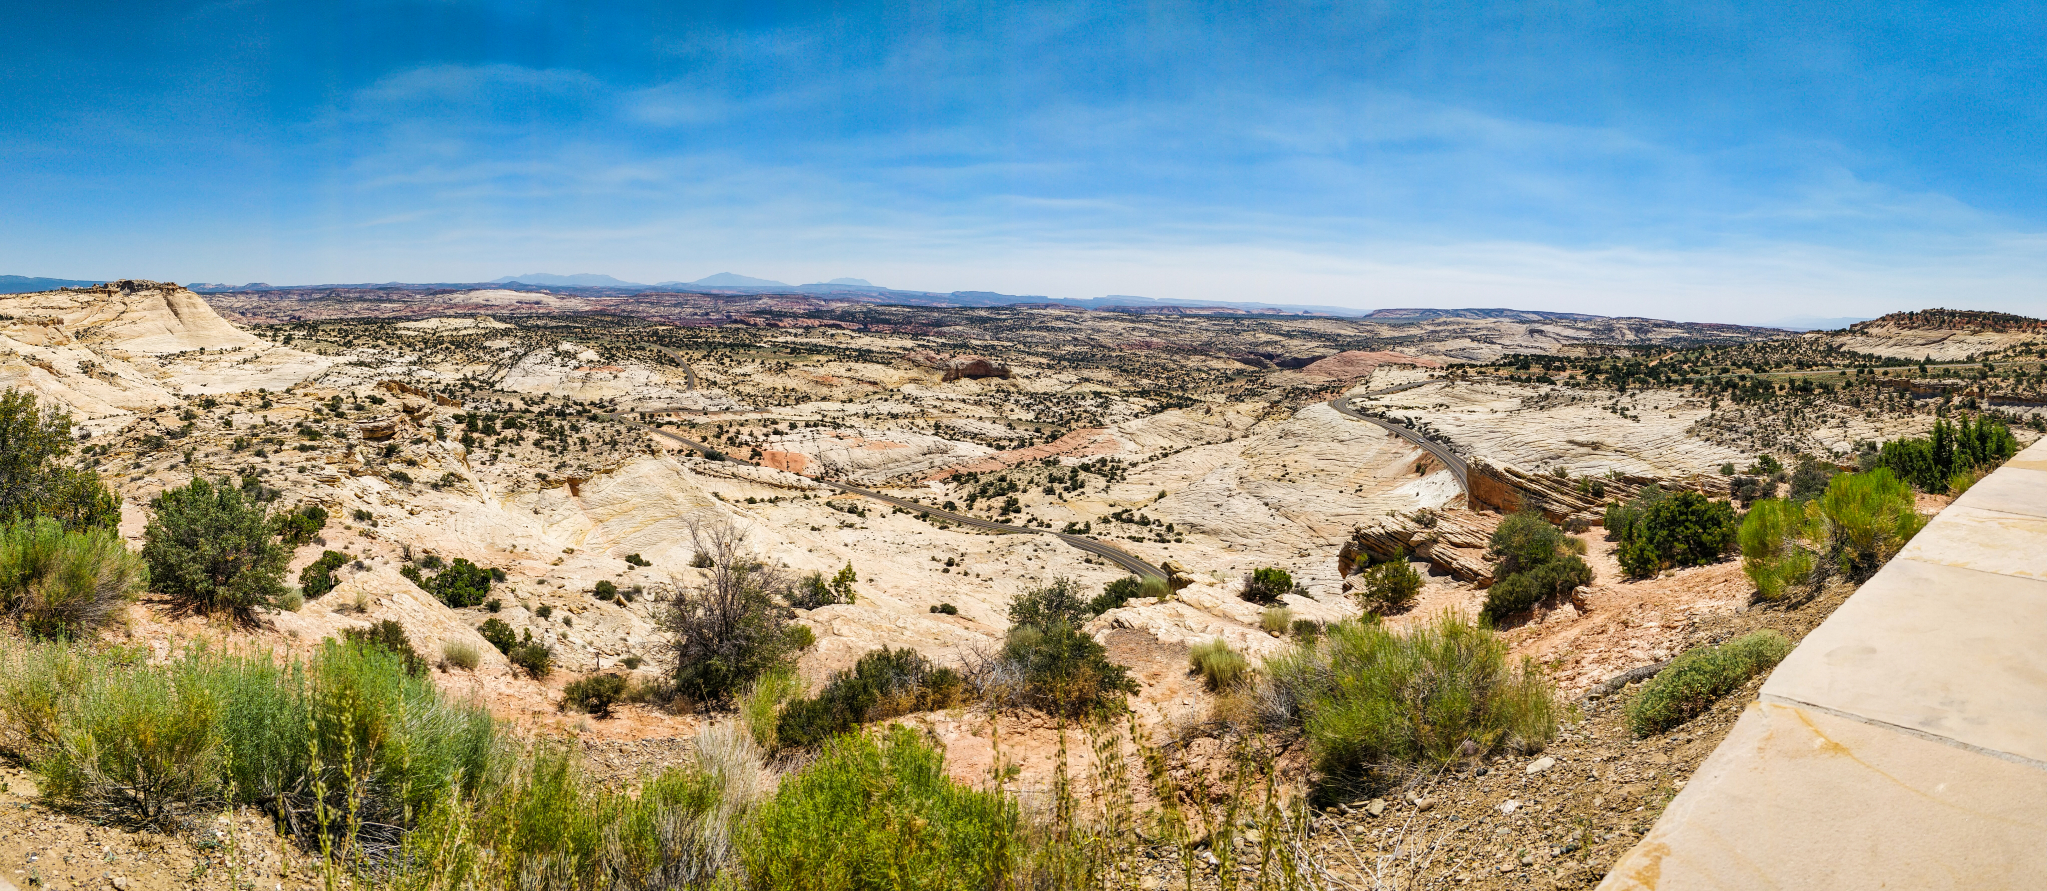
(1220, 667)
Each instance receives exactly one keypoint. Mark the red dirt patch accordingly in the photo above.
(794, 462)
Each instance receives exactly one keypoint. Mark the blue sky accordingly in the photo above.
(1721, 162)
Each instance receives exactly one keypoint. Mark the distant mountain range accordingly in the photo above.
(25, 284)
(859, 289)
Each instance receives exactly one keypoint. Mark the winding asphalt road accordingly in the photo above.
(1101, 549)
(1442, 452)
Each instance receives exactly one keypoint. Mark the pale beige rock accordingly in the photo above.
(1799, 798)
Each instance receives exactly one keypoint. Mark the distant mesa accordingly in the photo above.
(26, 284)
(858, 282)
(734, 280)
(579, 280)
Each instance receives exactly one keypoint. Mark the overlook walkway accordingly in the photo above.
(1903, 744)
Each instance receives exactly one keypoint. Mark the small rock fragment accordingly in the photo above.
(1541, 764)
(1376, 807)
(1509, 806)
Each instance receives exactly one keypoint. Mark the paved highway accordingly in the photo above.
(1441, 451)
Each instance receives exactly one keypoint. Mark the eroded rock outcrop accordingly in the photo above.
(957, 367)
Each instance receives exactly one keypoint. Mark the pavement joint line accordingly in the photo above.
(2005, 575)
(1906, 731)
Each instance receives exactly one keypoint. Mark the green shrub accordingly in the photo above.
(1267, 584)
(761, 705)
(883, 684)
(1220, 667)
(211, 552)
(1931, 463)
(595, 693)
(1390, 586)
(318, 577)
(463, 584)
(1060, 601)
(1307, 629)
(1637, 558)
(1811, 478)
(35, 481)
(1275, 619)
(1869, 518)
(295, 527)
(1055, 669)
(879, 811)
(138, 749)
(1373, 700)
(1687, 529)
(498, 634)
(731, 626)
(1773, 553)
(945, 609)
(1116, 594)
(605, 590)
(1699, 677)
(58, 583)
(536, 660)
(461, 654)
(390, 637)
(1623, 516)
(814, 590)
(1537, 561)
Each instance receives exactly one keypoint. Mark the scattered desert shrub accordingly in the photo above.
(1117, 593)
(1060, 601)
(1391, 586)
(536, 660)
(605, 590)
(1695, 680)
(1658, 530)
(1266, 584)
(945, 609)
(461, 585)
(390, 637)
(1307, 629)
(318, 577)
(498, 633)
(1774, 550)
(1931, 463)
(878, 811)
(730, 627)
(883, 684)
(1374, 701)
(595, 693)
(1275, 619)
(211, 551)
(1537, 562)
(59, 583)
(350, 734)
(1220, 667)
(814, 590)
(461, 654)
(35, 481)
(1054, 668)
(296, 527)
(761, 705)
(1811, 478)
(1869, 518)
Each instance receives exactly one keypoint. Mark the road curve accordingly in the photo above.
(1442, 452)
(1101, 549)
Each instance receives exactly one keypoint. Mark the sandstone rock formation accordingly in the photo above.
(112, 349)
(957, 367)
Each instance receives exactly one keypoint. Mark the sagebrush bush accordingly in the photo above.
(58, 583)
(1775, 553)
(1391, 586)
(1869, 518)
(1062, 600)
(1056, 669)
(595, 694)
(1699, 677)
(761, 705)
(882, 684)
(461, 654)
(211, 551)
(1374, 701)
(878, 811)
(1266, 584)
(1220, 667)
(390, 637)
